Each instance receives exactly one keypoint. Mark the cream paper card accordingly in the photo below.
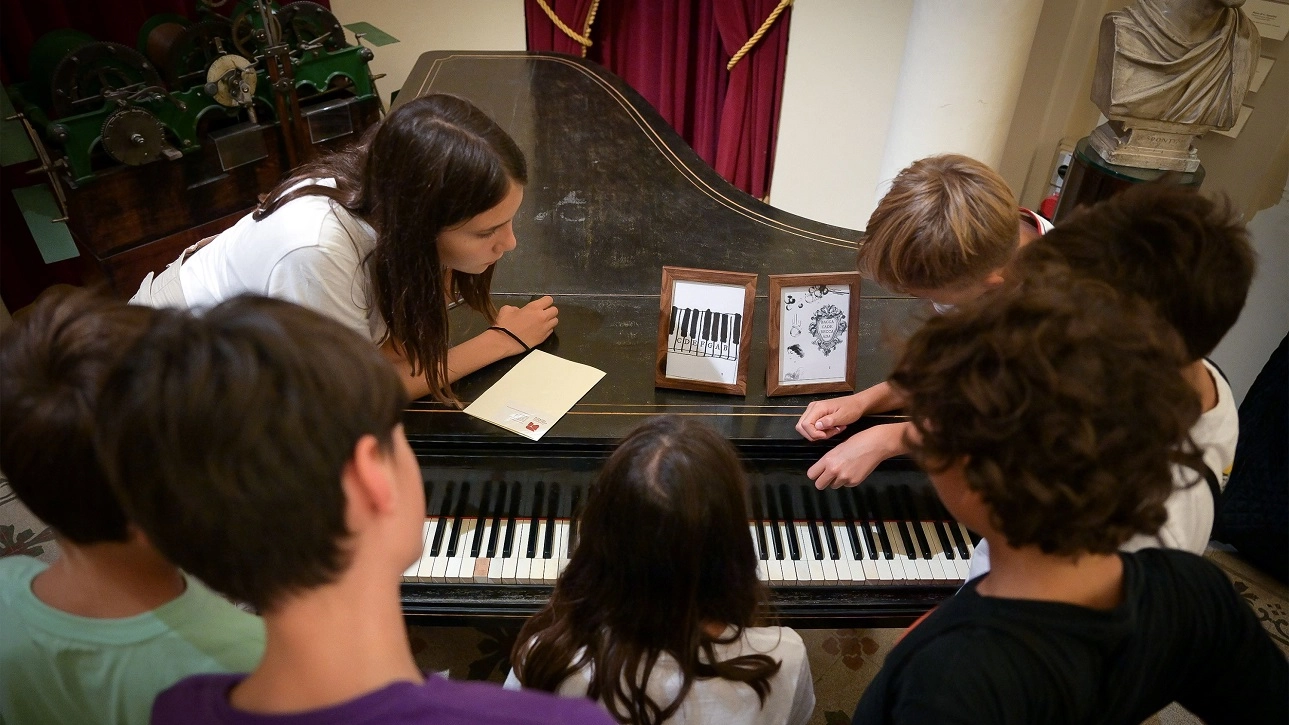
(535, 394)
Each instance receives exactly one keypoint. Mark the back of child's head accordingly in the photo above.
(53, 360)
(663, 550)
(1186, 255)
(1065, 405)
(226, 434)
(947, 222)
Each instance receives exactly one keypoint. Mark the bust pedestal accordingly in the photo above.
(1091, 178)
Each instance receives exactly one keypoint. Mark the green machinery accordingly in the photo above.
(97, 105)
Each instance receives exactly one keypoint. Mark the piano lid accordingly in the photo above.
(613, 195)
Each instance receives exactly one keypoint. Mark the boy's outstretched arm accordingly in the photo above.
(826, 418)
(852, 460)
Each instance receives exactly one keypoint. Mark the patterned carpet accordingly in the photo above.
(843, 661)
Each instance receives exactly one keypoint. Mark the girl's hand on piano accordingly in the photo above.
(824, 419)
(533, 323)
(852, 460)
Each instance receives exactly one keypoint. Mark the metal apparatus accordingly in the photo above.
(97, 104)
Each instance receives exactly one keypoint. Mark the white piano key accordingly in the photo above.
(922, 565)
(814, 567)
(550, 567)
(939, 562)
(902, 568)
(849, 569)
(461, 565)
(438, 574)
(410, 574)
(510, 564)
(524, 571)
(887, 570)
(565, 529)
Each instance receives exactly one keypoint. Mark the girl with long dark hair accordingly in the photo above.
(654, 615)
(385, 236)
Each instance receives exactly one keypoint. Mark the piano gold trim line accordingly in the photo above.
(643, 412)
(656, 139)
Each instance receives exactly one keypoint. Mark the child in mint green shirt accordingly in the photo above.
(96, 635)
(61, 667)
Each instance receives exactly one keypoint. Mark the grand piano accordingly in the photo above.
(613, 195)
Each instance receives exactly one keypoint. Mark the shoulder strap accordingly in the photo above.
(1210, 478)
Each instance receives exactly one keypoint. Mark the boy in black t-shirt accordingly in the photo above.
(1047, 416)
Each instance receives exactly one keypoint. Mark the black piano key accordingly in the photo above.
(914, 516)
(949, 523)
(758, 519)
(848, 514)
(737, 328)
(671, 326)
(498, 511)
(535, 518)
(826, 520)
(812, 522)
(772, 508)
(458, 515)
(893, 500)
(930, 506)
(707, 326)
(790, 516)
(875, 521)
(862, 522)
(927, 507)
(445, 511)
(573, 518)
(476, 543)
(508, 544)
(683, 331)
(552, 504)
(725, 335)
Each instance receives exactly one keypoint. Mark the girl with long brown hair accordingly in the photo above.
(385, 236)
(654, 615)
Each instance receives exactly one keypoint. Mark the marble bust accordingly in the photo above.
(1167, 71)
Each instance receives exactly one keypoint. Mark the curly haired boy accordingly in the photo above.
(1047, 418)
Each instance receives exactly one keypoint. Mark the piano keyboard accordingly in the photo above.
(523, 532)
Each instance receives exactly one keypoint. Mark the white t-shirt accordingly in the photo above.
(716, 700)
(310, 251)
(1190, 507)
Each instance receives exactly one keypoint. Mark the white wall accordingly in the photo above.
(1265, 320)
(422, 25)
(838, 93)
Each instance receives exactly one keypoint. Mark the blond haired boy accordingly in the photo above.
(943, 232)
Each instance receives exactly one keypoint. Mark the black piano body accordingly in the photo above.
(613, 195)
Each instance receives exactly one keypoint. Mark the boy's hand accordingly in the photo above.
(852, 460)
(826, 418)
(533, 323)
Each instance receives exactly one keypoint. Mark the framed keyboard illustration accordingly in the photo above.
(814, 333)
(704, 323)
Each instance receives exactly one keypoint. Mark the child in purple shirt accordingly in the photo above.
(265, 455)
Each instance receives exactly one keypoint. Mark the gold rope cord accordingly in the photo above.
(765, 28)
(584, 39)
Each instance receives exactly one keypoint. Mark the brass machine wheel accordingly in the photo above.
(134, 137)
(83, 75)
(305, 22)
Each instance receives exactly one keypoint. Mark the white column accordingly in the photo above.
(959, 80)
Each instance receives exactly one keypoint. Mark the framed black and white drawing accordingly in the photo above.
(704, 323)
(814, 333)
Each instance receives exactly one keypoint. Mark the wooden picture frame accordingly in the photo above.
(704, 327)
(807, 330)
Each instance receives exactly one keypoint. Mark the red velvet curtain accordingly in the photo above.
(545, 35)
(750, 114)
(674, 53)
